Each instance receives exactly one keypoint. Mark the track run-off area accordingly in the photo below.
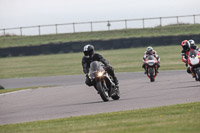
(69, 96)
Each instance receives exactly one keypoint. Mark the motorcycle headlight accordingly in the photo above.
(100, 74)
(150, 63)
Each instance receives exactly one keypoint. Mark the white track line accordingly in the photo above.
(3, 94)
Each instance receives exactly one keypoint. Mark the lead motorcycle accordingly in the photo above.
(103, 82)
(194, 62)
(151, 66)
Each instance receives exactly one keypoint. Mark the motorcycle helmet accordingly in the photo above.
(88, 50)
(192, 44)
(149, 50)
(185, 44)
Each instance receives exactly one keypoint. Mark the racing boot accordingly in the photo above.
(145, 71)
(115, 80)
(158, 66)
(157, 70)
(113, 90)
(193, 75)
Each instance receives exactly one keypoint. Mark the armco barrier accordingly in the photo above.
(98, 44)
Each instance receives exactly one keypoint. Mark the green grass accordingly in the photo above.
(123, 60)
(182, 118)
(102, 35)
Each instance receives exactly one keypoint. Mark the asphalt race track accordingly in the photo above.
(73, 98)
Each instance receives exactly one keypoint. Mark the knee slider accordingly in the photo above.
(88, 82)
(188, 70)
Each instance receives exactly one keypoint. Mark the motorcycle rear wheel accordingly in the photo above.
(101, 87)
(117, 95)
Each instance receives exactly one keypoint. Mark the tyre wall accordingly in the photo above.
(98, 44)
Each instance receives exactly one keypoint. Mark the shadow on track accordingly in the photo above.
(77, 104)
(190, 86)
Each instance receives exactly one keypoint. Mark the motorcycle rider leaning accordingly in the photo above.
(150, 51)
(187, 46)
(90, 56)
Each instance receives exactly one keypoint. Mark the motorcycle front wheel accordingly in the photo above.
(102, 89)
(151, 73)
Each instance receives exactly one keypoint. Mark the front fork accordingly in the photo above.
(154, 68)
(110, 88)
(192, 70)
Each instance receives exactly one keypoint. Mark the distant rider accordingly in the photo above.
(90, 56)
(150, 51)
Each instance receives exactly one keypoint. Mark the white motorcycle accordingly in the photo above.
(194, 62)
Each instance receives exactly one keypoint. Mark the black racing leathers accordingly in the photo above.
(184, 54)
(96, 57)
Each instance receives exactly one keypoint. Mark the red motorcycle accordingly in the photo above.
(151, 67)
(194, 62)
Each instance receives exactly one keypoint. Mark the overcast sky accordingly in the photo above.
(16, 13)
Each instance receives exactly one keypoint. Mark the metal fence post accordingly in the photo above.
(74, 27)
(4, 32)
(56, 29)
(160, 22)
(194, 19)
(126, 24)
(177, 20)
(39, 30)
(21, 31)
(91, 27)
(143, 23)
(108, 26)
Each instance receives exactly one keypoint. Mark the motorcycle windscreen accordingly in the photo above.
(151, 60)
(94, 68)
(193, 53)
(151, 57)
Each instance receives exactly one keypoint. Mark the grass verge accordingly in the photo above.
(183, 118)
(173, 30)
(123, 60)
(18, 89)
